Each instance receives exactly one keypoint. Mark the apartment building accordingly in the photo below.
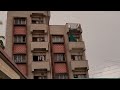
(43, 51)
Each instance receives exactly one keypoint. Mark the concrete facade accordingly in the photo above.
(39, 45)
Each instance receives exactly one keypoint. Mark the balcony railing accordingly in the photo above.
(41, 65)
(79, 64)
(39, 27)
(76, 46)
(39, 45)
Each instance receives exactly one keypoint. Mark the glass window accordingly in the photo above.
(57, 39)
(76, 57)
(34, 39)
(40, 77)
(59, 57)
(61, 76)
(39, 58)
(19, 39)
(19, 58)
(38, 39)
(20, 21)
(37, 20)
(79, 75)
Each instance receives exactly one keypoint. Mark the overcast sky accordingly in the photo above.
(101, 31)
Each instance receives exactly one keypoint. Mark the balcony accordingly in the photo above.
(39, 45)
(39, 27)
(79, 64)
(43, 13)
(41, 65)
(74, 28)
(76, 46)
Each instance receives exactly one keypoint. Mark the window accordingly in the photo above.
(36, 77)
(61, 76)
(59, 57)
(38, 39)
(19, 39)
(40, 73)
(39, 50)
(79, 75)
(57, 39)
(38, 32)
(76, 57)
(19, 58)
(19, 21)
(40, 77)
(39, 58)
(37, 20)
(77, 36)
(34, 39)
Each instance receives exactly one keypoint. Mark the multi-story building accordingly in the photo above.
(44, 51)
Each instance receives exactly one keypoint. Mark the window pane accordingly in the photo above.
(34, 39)
(37, 20)
(72, 57)
(59, 57)
(24, 39)
(35, 58)
(19, 39)
(79, 76)
(57, 39)
(19, 58)
(19, 21)
(61, 76)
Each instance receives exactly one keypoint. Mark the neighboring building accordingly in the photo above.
(8, 69)
(44, 51)
(1, 42)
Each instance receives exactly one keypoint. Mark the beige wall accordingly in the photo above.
(57, 29)
(44, 64)
(8, 70)
(29, 41)
(52, 29)
(39, 27)
(63, 29)
(9, 32)
(69, 53)
(39, 44)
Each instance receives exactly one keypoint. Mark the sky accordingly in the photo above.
(101, 31)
